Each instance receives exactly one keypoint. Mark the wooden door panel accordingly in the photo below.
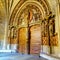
(23, 36)
(35, 41)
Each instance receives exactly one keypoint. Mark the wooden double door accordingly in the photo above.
(30, 40)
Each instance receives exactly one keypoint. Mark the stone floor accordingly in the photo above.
(36, 58)
(18, 56)
(21, 58)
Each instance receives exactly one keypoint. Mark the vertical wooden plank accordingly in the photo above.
(35, 41)
(23, 38)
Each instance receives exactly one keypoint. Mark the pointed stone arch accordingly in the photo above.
(43, 6)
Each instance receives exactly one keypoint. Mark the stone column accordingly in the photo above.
(5, 35)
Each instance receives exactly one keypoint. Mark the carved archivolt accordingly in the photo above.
(42, 5)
